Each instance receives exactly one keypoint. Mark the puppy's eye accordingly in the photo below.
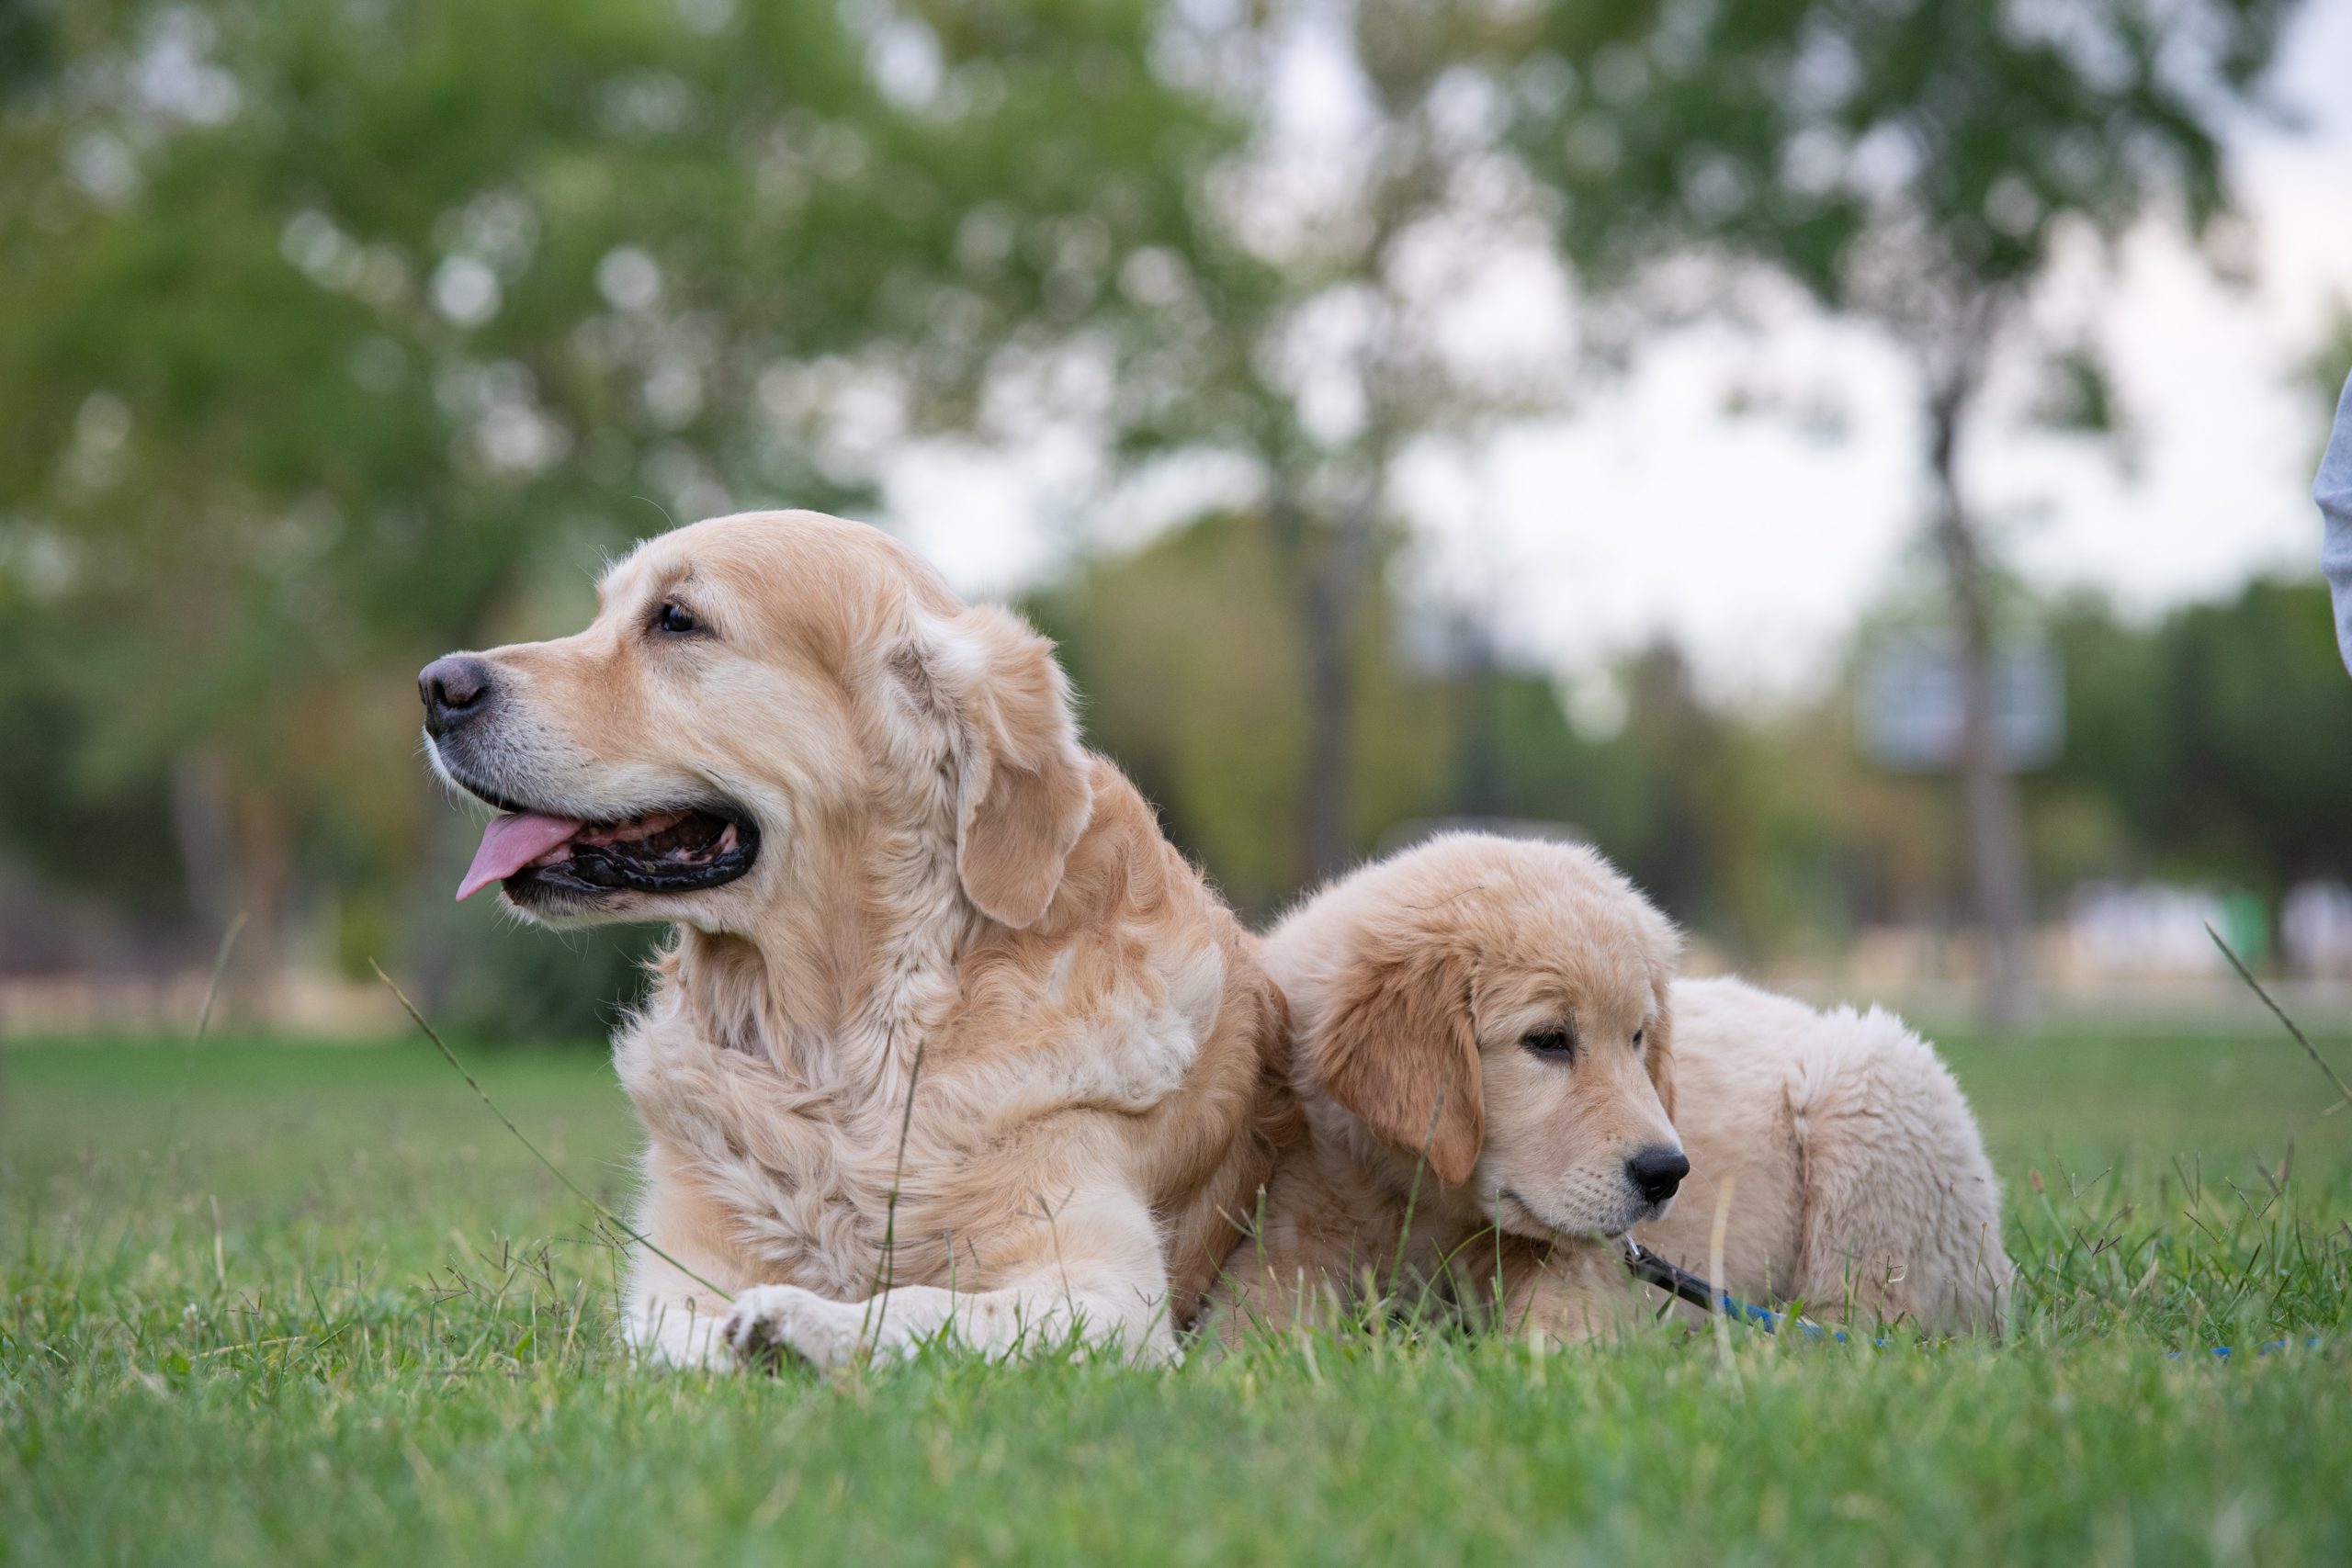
(675, 620)
(1553, 1045)
(1639, 1036)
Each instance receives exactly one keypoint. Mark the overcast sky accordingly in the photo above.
(1756, 541)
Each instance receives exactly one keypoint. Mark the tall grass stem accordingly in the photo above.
(2342, 1088)
(554, 1170)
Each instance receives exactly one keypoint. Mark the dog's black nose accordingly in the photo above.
(1657, 1171)
(453, 689)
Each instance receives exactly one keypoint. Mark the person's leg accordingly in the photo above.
(2333, 490)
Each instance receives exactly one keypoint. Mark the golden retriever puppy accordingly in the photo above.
(1501, 1013)
(1860, 1184)
(948, 1041)
(1482, 1050)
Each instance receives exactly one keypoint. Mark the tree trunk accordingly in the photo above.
(1987, 785)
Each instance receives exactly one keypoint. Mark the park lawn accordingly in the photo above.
(280, 1302)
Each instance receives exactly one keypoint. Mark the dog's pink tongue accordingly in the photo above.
(511, 842)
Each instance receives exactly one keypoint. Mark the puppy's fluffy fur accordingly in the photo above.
(1422, 989)
(1417, 986)
(968, 1028)
(1859, 1178)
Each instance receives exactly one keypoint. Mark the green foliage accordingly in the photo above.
(1915, 165)
(2202, 747)
(394, 1344)
(1188, 662)
(1806, 132)
(336, 334)
(340, 336)
(2255, 786)
(2209, 742)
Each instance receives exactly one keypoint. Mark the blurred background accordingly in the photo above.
(1848, 461)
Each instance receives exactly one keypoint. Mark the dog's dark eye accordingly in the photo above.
(676, 620)
(1639, 1035)
(1556, 1044)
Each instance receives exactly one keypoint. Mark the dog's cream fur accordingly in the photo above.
(1859, 1177)
(965, 965)
(1860, 1184)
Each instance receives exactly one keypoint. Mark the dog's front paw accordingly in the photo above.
(790, 1321)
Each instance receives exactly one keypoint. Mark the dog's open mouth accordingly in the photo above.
(678, 851)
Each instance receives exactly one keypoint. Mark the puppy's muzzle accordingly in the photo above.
(1656, 1172)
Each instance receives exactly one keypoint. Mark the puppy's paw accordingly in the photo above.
(786, 1320)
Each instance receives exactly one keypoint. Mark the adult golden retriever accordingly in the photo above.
(945, 1022)
(1491, 1042)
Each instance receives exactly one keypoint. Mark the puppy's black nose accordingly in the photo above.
(453, 689)
(1657, 1171)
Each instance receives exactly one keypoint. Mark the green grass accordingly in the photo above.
(270, 1304)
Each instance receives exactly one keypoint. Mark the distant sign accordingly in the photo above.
(1911, 706)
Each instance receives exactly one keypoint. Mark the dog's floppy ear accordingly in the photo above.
(1657, 1053)
(1023, 794)
(1396, 1047)
(1664, 944)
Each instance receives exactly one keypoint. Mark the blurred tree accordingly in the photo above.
(1743, 826)
(2122, 758)
(335, 334)
(26, 47)
(338, 337)
(2216, 741)
(1186, 655)
(1302, 319)
(1915, 165)
(2263, 741)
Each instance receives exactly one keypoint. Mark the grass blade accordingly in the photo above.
(2343, 1090)
(508, 1122)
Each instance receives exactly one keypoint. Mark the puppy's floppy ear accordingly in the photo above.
(1664, 944)
(1025, 794)
(1657, 1053)
(1396, 1047)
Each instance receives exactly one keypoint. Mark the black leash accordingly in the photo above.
(1652, 1269)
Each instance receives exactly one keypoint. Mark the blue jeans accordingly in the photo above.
(2333, 490)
